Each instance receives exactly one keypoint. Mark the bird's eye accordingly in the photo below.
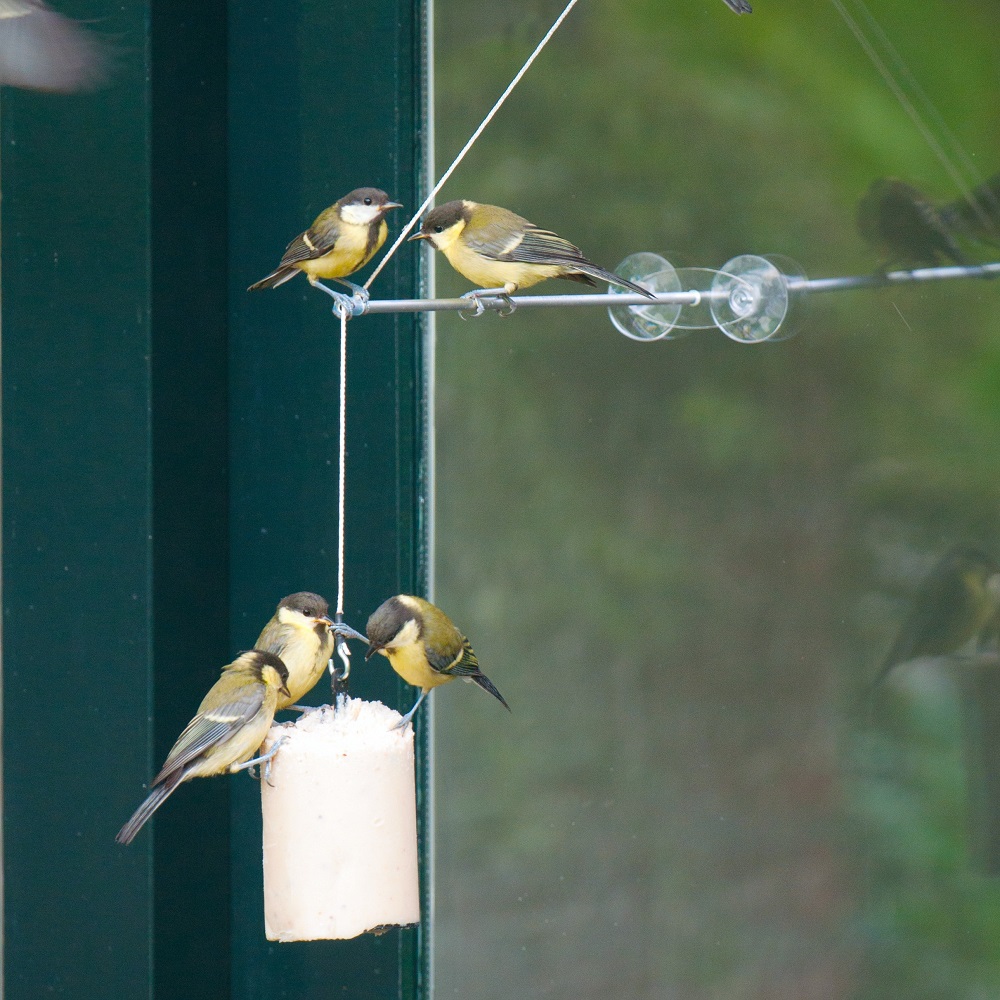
(368, 201)
(439, 229)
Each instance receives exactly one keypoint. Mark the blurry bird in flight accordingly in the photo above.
(42, 50)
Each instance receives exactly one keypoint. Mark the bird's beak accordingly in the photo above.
(372, 650)
(418, 236)
(392, 204)
(284, 690)
(326, 619)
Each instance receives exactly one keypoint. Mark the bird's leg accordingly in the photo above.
(358, 291)
(264, 759)
(353, 304)
(477, 295)
(409, 715)
(342, 629)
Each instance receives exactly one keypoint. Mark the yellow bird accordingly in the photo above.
(229, 727)
(423, 647)
(499, 251)
(302, 633)
(341, 240)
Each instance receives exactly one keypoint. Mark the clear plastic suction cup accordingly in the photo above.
(750, 300)
(652, 322)
(799, 305)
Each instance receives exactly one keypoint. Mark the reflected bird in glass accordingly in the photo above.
(956, 603)
(905, 227)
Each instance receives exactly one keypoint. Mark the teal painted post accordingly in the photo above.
(346, 111)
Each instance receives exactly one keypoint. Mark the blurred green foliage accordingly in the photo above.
(681, 562)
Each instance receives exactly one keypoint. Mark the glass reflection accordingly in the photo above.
(683, 561)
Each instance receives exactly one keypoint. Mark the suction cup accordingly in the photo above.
(641, 322)
(749, 299)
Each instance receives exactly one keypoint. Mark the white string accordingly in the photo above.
(341, 490)
(907, 105)
(343, 312)
(472, 139)
(342, 649)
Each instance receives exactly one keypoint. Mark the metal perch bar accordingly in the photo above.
(795, 285)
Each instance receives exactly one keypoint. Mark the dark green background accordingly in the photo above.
(169, 470)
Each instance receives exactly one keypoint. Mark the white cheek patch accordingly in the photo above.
(287, 616)
(360, 215)
(441, 241)
(407, 635)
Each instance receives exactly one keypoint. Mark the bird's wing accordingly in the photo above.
(464, 664)
(317, 241)
(937, 234)
(211, 727)
(274, 638)
(533, 246)
(539, 246)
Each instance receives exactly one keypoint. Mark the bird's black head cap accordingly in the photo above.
(444, 217)
(365, 196)
(386, 621)
(306, 603)
(255, 660)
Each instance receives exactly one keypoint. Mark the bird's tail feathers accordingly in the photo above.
(594, 271)
(153, 801)
(487, 685)
(277, 277)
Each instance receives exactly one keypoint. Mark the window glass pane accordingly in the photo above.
(682, 563)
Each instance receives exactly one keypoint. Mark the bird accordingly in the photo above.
(502, 252)
(302, 633)
(954, 604)
(42, 50)
(740, 6)
(905, 226)
(341, 240)
(230, 725)
(424, 647)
